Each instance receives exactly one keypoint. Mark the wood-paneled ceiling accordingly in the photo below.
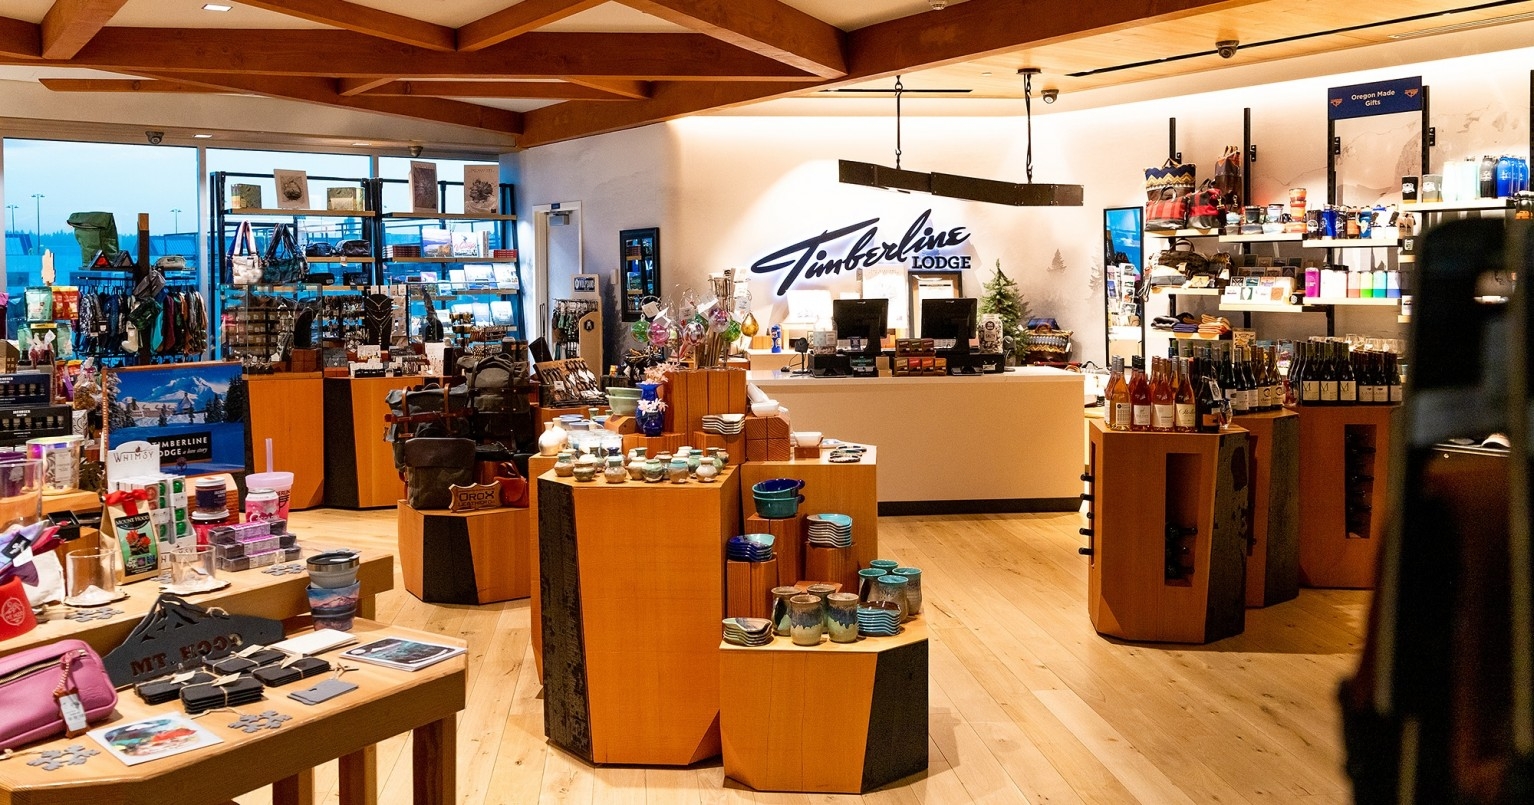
(541, 71)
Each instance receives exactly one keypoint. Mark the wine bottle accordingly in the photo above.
(1393, 378)
(1121, 415)
(1115, 377)
(1139, 397)
(1163, 397)
(1241, 403)
(1328, 374)
(1186, 406)
(1347, 382)
(1381, 385)
(1206, 396)
(1310, 389)
(1260, 375)
(1275, 380)
(1294, 384)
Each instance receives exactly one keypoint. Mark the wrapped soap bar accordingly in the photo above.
(232, 534)
(247, 547)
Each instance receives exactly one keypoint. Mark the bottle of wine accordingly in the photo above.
(1122, 413)
(1163, 397)
(1380, 383)
(1310, 389)
(1363, 375)
(1110, 391)
(1293, 384)
(1328, 374)
(1225, 372)
(1186, 405)
(1260, 377)
(1275, 381)
(1241, 403)
(1139, 397)
(1207, 396)
(1396, 393)
(1347, 382)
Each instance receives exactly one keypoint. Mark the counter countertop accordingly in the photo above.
(1021, 374)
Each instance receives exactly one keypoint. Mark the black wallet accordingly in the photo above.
(275, 676)
(160, 691)
(239, 665)
(197, 698)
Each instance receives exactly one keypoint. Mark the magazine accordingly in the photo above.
(405, 655)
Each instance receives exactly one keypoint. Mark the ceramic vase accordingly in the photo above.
(821, 591)
(886, 565)
(651, 412)
(706, 472)
(912, 576)
(866, 578)
(636, 464)
(694, 461)
(615, 473)
(890, 589)
(677, 470)
(564, 466)
(842, 617)
(654, 471)
(553, 437)
(780, 596)
(806, 624)
(586, 468)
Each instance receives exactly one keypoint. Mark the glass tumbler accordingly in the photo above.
(92, 579)
(191, 569)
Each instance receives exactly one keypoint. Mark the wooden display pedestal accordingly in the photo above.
(834, 718)
(1273, 558)
(734, 445)
(692, 393)
(537, 465)
(767, 439)
(788, 538)
(465, 558)
(838, 565)
(748, 588)
(1142, 484)
(289, 409)
(850, 489)
(632, 578)
(653, 445)
(1344, 463)
(359, 464)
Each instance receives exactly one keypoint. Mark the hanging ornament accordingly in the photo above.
(749, 328)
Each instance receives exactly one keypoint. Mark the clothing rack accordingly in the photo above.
(566, 325)
(106, 298)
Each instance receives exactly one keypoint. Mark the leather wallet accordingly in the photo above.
(197, 698)
(324, 691)
(275, 676)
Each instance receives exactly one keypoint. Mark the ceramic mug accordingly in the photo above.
(806, 624)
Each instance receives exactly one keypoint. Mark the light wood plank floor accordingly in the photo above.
(1027, 703)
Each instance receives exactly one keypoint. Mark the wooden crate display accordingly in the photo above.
(850, 489)
(1344, 464)
(839, 565)
(465, 557)
(788, 542)
(748, 588)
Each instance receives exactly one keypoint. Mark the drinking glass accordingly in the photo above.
(191, 569)
(92, 579)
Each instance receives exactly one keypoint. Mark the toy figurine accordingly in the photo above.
(777, 337)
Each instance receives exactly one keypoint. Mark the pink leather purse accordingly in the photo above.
(39, 686)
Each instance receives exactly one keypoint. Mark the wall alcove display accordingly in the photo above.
(639, 252)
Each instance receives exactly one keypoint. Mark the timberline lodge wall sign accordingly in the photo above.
(819, 256)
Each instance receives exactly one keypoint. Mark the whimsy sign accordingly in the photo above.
(819, 256)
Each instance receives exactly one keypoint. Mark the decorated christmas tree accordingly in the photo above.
(1005, 299)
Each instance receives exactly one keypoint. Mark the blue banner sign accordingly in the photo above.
(1375, 98)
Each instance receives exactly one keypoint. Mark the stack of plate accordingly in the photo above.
(724, 424)
(748, 631)
(750, 548)
(878, 619)
(830, 530)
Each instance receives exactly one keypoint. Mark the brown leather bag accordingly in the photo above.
(432, 465)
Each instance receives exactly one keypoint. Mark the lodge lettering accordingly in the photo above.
(811, 258)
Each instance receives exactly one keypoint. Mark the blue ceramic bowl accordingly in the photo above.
(778, 488)
(778, 508)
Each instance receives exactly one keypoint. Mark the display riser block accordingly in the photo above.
(850, 489)
(549, 414)
(1142, 482)
(734, 445)
(654, 445)
(622, 424)
(838, 565)
(465, 558)
(788, 542)
(1273, 559)
(691, 394)
(1332, 552)
(748, 588)
(832, 718)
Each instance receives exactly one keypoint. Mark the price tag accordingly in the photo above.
(73, 712)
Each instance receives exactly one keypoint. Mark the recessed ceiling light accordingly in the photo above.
(202, 136)
(216, 7)
(361, 144)
(986, 72)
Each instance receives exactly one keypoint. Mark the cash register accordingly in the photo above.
(860, 326)
(950, 323)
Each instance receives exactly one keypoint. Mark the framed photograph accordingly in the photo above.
(482, 189)
(423, 187)
(292, 190)
(153, 738)
(194, 412)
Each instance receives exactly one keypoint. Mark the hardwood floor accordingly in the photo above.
(1027, 703)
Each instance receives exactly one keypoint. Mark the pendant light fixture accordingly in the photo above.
(969, 188)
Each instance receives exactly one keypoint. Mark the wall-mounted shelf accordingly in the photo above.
(1182, 233)
(302, 213)
(1277, 237)
(339, 260)
(448, 216)
(1352, 243)
(1187, 291)
(445, 260)
(1259, 307)
(1359, 301)
(1457, 206)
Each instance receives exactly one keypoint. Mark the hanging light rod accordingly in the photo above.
(969, 188)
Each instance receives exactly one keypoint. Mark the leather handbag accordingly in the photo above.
(355, 248)
(319, 248)
(432, 465)
(244, 262)
(1227, 178)
(38, 686)
(1167, 189)
(285, 263)
(494, 464)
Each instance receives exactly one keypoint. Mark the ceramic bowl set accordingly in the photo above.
(879, 619)
(623, 401)
(724, 424)
(748, 631)
(778, 498)
(885, 581)
(830, 530)
(750, 548)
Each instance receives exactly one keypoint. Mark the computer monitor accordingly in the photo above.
(861, 319)
(949, 322)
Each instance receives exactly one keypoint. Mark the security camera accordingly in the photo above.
(415, 150)
(155, 137)
(1051, 95)
(938, 5)
(1227, 48)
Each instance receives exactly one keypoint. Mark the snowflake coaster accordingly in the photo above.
(55, 759)
(86, 615)
(284, 570)
(267, 720)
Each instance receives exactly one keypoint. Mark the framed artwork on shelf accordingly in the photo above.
(423, 187)
(292, 190)
(639, 252)
(482, 189)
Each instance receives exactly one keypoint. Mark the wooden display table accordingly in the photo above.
(850, 489)
(837, 718)
(1142, 483)
(289, 409)
(1344, 464)
(1273, 555)
(632, 578)
(537, 465)
(465, 558)
(359, 464)
(386, 703)
(250, 592)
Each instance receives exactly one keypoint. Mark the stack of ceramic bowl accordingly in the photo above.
(748, 631)
(777, 498)
(878, 619)
(623, 401)
(724, 424)
(750, 548)
(830, 530)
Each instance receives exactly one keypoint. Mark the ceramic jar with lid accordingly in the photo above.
(615, 472)
(564, 465)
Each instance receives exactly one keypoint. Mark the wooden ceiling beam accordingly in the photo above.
(357, 86)
(344, 54)
(122, 85)
(768, 27)
(365, 20)
(633, 90)
(524, 17)
(929, 39)
(70, 24)
(323, 91)
(557, 90)
(20, 39)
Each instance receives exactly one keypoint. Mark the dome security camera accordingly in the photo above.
(1227, 48)
(1051, 95)
(415, 150)
(155, 137)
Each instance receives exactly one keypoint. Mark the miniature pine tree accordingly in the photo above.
(1003, 298)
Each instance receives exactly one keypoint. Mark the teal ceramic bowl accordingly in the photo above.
(778, 508)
